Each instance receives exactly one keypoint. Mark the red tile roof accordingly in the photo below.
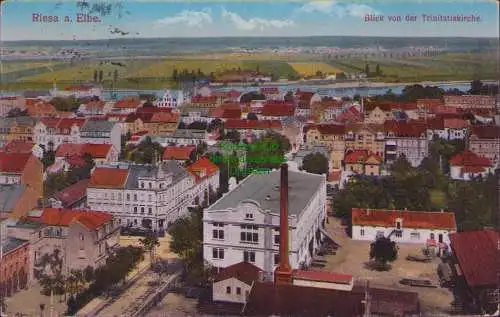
(322, 276)
(360, 157)
(104, 177)
(153, 110)
(165, 117)
(18, 147)
(49, 122)
(65, 217)
(252, 124)
(267, 299)
(470, 159)
(478, 256)
(486, 131)
(128, 102)
(335, 176)
(243, 271)
(202, 169)
(204, 99)
(71, 194)
(97, 105)
(13, 162)
(411, 219)
(144, 116)
(327, 129)
(178, 152)
(270, 90)
(352, 115)
(455, 123)
(412, 129)
(225, 112)
(284, 110)
(99, 151)
(79, 88)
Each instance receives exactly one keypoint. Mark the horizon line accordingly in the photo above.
(251, 36)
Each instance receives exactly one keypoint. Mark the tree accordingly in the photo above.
(367, 70)
(115, 76)
(233, 136)
(100, 75)
(48, 158)
(95, 76)
(377, 70)
(54, 183)
(197, 125)
(150, 242)
(65, 104)
(383, 250)
(315, 163)
(175, 74)
(252, 116)
(16, 112)
(181, 125)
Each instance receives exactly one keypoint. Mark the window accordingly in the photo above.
(142, 184)
(228, 290)
(238, 290)
(150, 185)
(249, 256)
(398, 225)
(218, 234)
(276, 259)
(135, 210)
(398, 234)
(218, 253)
(150, 210)
(249, 216)
(248, 235)
(81, 237)
(135, 197)
(150, 197)
(142, 210)
(128, 196)
(276, 239)
(415, 235)
(362, 232)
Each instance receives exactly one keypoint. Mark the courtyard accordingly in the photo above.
(352, 256)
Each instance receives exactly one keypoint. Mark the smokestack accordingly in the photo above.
(283, 274)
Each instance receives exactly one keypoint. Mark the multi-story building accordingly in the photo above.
(470, 102)
(100, 153)
(52, 132)
(151, 196)
(81, 237)
(363, 136)
(447, 128)
(16, 200)
(204, 101)
(101, 132)
(484, 140)
(190, 115)
(14, 266)
(408, 139)
(22, 168)
(244, 224)
(378, 116)
(16, 129)
(329, 135)
(182, 137)
(363, 162)
(468, 165)
(12, 102)
(127, 105)
(170, 100)
(250, 129)
(23, 147)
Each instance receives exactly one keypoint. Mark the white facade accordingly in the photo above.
(157, 199)
(223, 231)
(408, 235)
(456, 172)
(102, 136)
(171, 100)
(45, 136)
(414, 149)
(447, 134)
(230, 290)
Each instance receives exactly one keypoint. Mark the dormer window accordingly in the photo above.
(398, 224)
(249, 216)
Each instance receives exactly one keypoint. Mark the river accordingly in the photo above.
(329, 90)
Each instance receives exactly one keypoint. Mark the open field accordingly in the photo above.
(15, 66)
(310, 69)
(352, 256)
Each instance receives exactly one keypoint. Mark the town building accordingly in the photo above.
(363, 162)
(71, 197)
(447, 128)
(52, 132)
(16, 129)
(484, 140)
(180, 154)
(127, 105)
(22, 147)
(378, 116)
(244, 224)
(403, 226)
(101, 132)
(408, 139)
(9, 103)
(171, 99)
(82, 238)
(253, 129)
(330, 135)
(477, 256)
(149, 196)
(182, 137)
(20, 168)
(16, 200)
(40, 109)
(14, 266)
(361, 136)
(468, 165)
(100, 153)
(233, 283)
(310, 150)
(79, 91)
(470, 101)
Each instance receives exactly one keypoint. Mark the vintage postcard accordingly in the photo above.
(300, 158)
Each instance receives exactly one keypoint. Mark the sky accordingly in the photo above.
(146, 18)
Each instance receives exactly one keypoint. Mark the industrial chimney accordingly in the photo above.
(283, 273)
